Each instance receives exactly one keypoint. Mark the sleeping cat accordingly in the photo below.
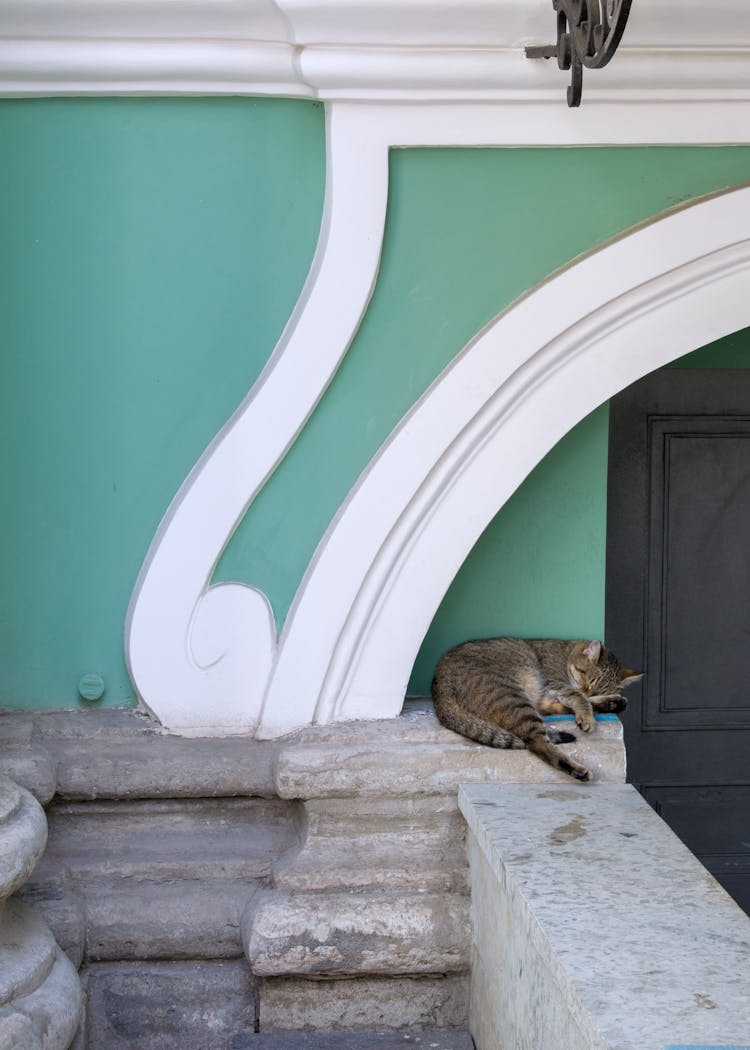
(496, 691)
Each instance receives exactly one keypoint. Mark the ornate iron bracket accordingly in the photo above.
(588, 33)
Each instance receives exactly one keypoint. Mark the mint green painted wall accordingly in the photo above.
(152, 251)
(538, 569)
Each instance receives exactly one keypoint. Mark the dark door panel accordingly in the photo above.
(713, 823)
(678, 603)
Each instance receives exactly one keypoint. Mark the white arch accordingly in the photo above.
(537, 369)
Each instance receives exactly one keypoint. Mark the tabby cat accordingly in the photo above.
(496, 691)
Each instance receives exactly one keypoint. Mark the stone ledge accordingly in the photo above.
(122, 754)
(647, 951)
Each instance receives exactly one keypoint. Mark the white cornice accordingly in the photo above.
(399, 50)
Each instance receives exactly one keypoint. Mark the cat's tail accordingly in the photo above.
(528, 730)
(453, 715)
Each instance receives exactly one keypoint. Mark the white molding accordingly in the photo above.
(401, 50)
(200, 656)
(383, 567)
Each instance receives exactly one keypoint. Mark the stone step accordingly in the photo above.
(121, 754)
(424, 1040)
(378, 863)
(186, 839)
(211, 1005)
(329, 934)
(189, 1005)
(379, 843)
(364, 1004)
(316, 768)
(23, 833)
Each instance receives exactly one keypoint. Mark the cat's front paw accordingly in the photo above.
(586, 722)
(610, 703)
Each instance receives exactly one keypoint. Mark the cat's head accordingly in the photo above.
(597, 671)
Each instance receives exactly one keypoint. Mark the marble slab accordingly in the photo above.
(594, 926)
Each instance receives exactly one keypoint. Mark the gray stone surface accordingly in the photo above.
(168, 840)
(122, 754)
(31, 766)
(53, 1010)
(338, 852)
(435, 1040)
(416, 844)
(158, 879)
(27, 950)
(594, 926)
(325, 934)
(424, 759)
(364, 1003)
(62, 910)
(194, 1005)
(23, 834)
(39, 989)
(172, 920)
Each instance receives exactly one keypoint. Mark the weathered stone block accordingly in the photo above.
(23, 834)
(358, 933)
(134, 919)
(122, 754)
(31, 766)
(158, 879)
(195, 1005)
(51, 1011)
(170, 840)
(415, 844)
(62, 910)
(434, 1040)
(428, 760)
(648, 951)
(294, 1004)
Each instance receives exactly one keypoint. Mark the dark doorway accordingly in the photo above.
(678, 604)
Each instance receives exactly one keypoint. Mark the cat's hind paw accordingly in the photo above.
(559, 736)
(575, 770)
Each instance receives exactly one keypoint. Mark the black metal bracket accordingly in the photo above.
(588, 34)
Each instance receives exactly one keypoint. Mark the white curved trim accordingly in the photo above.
(200, 656)
(536, 370)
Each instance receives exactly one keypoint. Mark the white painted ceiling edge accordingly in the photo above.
(398, 50)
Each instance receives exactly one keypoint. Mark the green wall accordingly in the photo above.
(152, 251)
(538, 568)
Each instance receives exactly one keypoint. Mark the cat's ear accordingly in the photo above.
(629, 676)
(593, 651)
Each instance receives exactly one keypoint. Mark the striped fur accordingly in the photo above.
(496, 690)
